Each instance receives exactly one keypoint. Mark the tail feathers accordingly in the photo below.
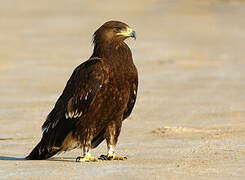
(41, 151)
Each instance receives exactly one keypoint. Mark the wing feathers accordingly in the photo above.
(132, 99)
(78, 94)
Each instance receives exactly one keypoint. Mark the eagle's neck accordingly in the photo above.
(108, 50)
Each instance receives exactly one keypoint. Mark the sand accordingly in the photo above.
(188, 122)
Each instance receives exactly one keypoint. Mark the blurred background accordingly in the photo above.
(178, 29)
(190, 57)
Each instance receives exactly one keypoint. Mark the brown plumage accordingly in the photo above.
(99, 95)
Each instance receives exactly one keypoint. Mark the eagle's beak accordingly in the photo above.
(133, 34)
(129, 32)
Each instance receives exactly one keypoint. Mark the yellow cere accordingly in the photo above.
(127, 32)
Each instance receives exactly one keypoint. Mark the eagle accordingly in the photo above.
(98, 97)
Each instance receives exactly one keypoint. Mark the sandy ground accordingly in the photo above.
(188, 122)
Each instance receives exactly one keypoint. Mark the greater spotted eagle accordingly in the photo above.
(99, 95)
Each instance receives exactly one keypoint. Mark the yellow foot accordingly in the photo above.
(87, 158)
(112, 157)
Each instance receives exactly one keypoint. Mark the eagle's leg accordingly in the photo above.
(87, 156)
(111, 135)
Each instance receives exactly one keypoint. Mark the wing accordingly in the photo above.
(132, 97)
(79, 93)
(82, 89)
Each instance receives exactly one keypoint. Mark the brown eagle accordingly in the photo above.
(99, 95)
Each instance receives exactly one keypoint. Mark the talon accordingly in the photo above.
(103, 157)
(78, 159)
(119, 158)
(87, 158)
(112, 157)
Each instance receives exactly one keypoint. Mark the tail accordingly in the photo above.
(41, 151)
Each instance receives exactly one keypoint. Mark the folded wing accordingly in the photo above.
(78, 95)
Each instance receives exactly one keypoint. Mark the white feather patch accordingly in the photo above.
(46, 128)
(66, 115)
(55, 123)
(70, 114)
(73, 114)
(80, 114)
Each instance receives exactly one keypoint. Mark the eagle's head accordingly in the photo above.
(113, 31)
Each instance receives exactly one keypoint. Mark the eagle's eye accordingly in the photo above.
(118, 29)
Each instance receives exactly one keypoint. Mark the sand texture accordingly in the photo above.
(188, 122)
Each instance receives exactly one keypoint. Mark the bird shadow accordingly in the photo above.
(9, 158)
(65, 159)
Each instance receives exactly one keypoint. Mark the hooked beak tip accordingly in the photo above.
(133, 34)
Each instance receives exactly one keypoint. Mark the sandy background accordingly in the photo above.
(188, 122)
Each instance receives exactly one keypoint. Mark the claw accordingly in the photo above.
(109, 157)
(87, 158)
